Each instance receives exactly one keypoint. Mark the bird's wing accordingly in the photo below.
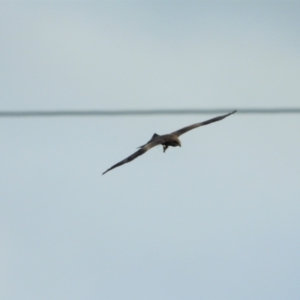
(141, 151)
(188, 128)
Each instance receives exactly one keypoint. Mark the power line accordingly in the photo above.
(140, 112)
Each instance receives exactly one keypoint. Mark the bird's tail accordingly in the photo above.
(153, 137)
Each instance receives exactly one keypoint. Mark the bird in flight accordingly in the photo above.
(166, 140)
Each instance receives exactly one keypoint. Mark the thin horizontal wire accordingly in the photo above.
(140, 112)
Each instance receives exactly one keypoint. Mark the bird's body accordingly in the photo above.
(166, 140)
(171, 140)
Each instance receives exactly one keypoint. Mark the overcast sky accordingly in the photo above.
(217, 218)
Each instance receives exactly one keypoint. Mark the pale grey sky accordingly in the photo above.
(215, 219)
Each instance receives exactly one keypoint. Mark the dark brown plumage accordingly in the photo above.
(166, 140)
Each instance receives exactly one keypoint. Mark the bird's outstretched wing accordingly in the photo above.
(188, 128)
(141, 151)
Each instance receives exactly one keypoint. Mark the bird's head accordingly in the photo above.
(176, 142)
